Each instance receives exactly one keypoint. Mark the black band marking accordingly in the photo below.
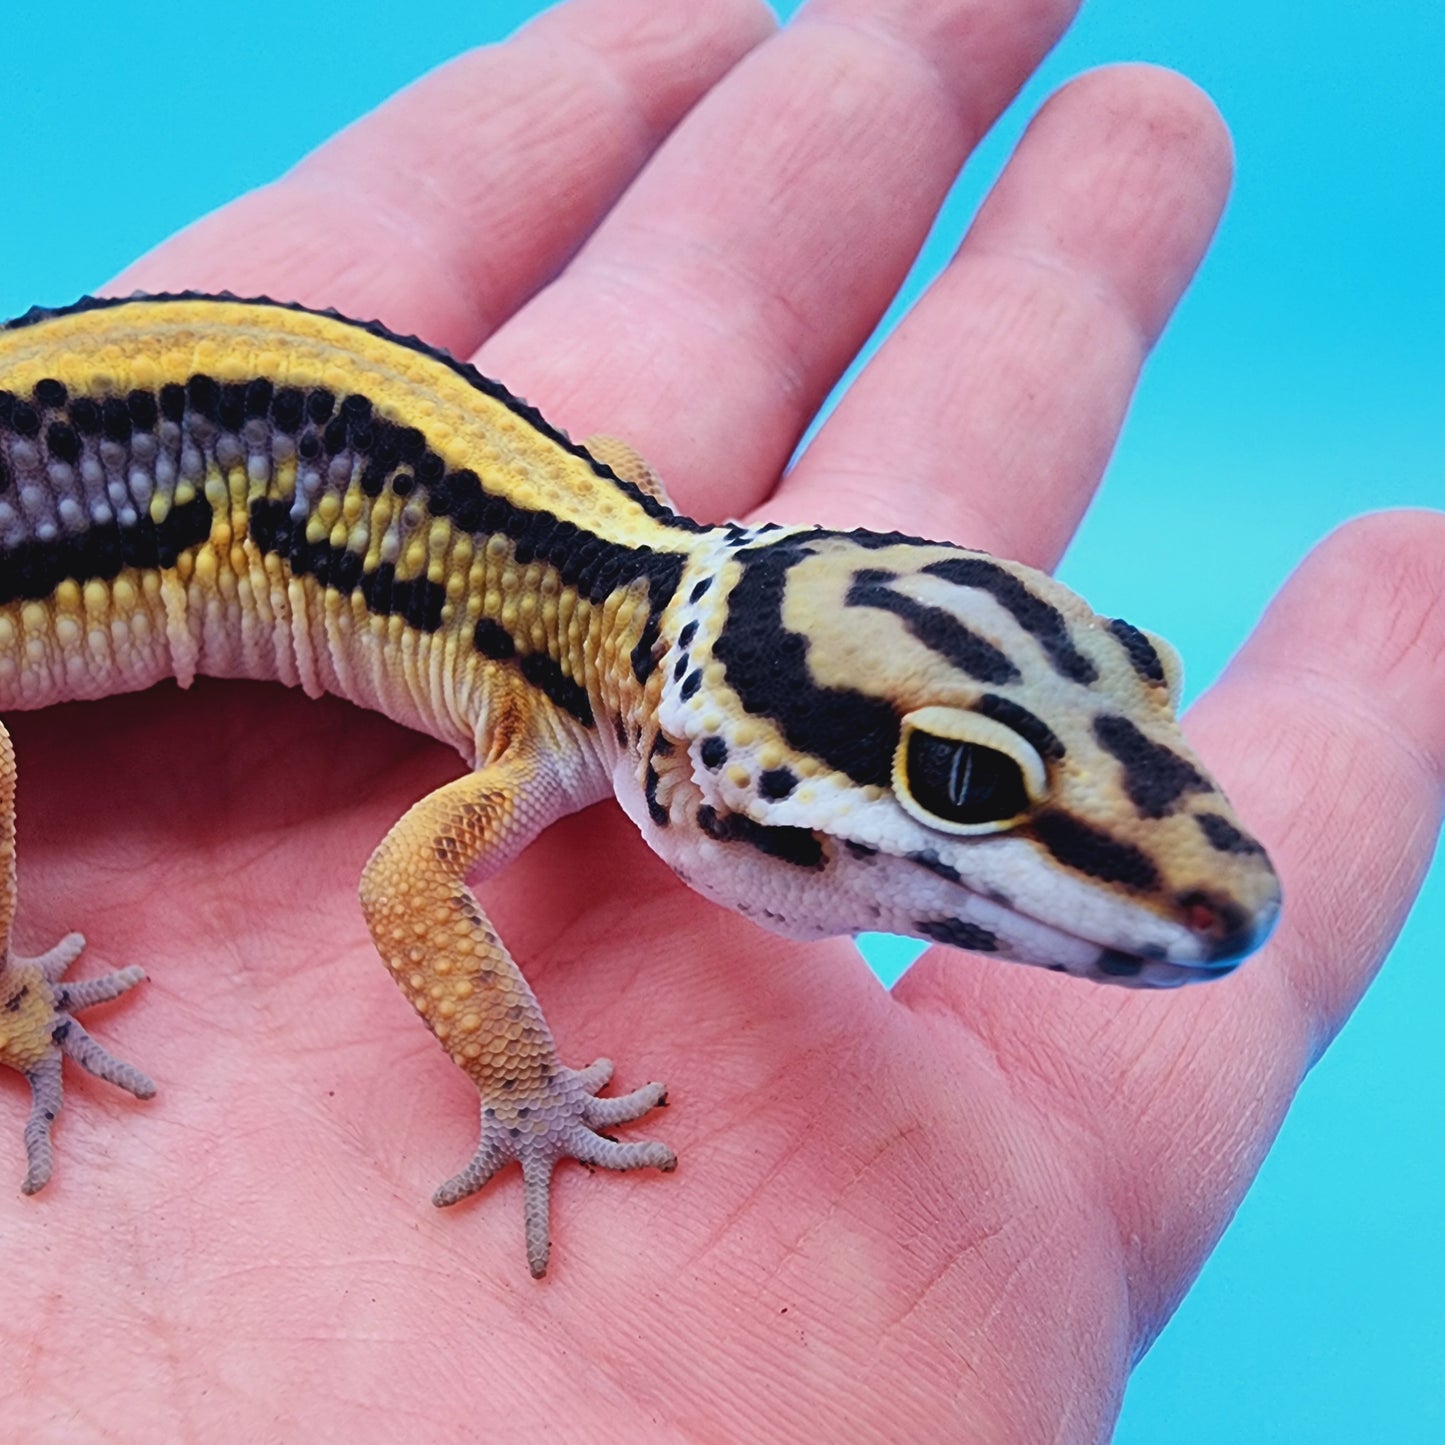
(32, 570)
(1143, 656)
(1029, 726)
(419, 601)
(1224, 836)
(1155, 777)
(1089, 850)
(592, 565)
(546, 675)
(791, 845)
(937, 630)
(927, 858)
(767, 666)
(324, 426)
(493, 640)
(1041, 619)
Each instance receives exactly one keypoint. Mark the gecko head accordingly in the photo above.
(995, 765)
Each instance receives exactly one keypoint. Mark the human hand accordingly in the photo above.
(956, 1212)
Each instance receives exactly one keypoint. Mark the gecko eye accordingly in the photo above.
(962, 782)
(965, 773)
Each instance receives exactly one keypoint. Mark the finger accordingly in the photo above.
(1343, 685)
(712, 311)
(442, 210)
(1341, 692)
(1329, 733)
(989, 415)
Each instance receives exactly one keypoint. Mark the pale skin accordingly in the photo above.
(960, 1211)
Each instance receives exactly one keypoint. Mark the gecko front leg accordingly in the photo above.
(443, 952)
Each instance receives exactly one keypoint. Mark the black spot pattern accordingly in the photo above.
(777, 783)
(927, 858)
(1114, 964)
(62, 442)
(959, 933)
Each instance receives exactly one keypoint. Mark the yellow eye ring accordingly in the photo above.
(961, 772)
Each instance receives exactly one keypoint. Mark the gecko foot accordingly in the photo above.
(559, 1121)
(38, 1026)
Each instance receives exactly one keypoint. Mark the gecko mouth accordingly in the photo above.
(1222, 936)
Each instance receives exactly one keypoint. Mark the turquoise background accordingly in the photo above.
(1301, 383)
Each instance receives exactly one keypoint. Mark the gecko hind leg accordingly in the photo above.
(629, 464)
(37, 1011)
(38, 1027)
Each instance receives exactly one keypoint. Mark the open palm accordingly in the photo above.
(959, 1211)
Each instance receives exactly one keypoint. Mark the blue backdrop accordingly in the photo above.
(1301, 383)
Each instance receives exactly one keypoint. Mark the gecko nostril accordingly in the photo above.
(1227, 929)
(1201, 916)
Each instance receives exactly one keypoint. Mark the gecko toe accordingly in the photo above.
(38, 1026)
(554, 1122)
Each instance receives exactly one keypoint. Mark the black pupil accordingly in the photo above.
(963, 782)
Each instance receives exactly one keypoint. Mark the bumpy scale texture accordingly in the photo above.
(826, 731)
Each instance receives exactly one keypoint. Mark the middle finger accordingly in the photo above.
(713, 309)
